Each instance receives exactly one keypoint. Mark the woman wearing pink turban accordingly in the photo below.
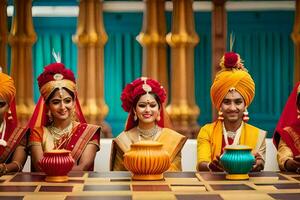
(231, 92)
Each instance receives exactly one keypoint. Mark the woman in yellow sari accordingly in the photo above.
(231, 92)
(12, 138)
(58, 123)
(143, 99)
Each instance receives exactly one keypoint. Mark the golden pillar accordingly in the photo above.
(3, 34)
(21, 39)
(90, 38)
(296, 39)
(153, 40)
(183, 110)
(219, 36)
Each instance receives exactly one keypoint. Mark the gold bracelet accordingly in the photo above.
(208, 166)
(18, 164)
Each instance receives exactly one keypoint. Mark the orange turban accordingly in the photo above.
(7, 87)
(232, 75)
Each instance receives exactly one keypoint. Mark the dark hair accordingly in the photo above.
(55, 90)
(298, 101)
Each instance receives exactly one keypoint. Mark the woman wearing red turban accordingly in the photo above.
(287, 134)
(231, 92)
(143, 99)
(57, 121)
(12, 138)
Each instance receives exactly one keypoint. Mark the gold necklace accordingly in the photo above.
(149, 133)
(58, 133)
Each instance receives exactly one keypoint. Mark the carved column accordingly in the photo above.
(219, 36)
(90, 38)
(153, 40)
(296, 39)
(21, 39)
(3, 34)
(183, 110)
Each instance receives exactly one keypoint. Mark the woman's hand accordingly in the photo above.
(3, 169)
(292, 165)
(259, 163)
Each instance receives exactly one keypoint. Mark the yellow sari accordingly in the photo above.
(171, 140)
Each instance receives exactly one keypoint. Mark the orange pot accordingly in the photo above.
(57, 164)
(147, 160)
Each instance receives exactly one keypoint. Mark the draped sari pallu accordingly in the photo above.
(171, 140)
(13, 139)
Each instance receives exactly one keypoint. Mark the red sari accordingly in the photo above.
(81, 135)
(288, 126)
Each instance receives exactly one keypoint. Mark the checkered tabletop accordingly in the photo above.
(176, 185)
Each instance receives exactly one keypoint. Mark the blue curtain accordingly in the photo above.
(264, 43)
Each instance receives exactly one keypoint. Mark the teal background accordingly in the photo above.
(262, 39)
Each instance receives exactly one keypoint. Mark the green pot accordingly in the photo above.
(237, 161)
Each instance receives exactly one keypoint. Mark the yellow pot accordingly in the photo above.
(147, 160)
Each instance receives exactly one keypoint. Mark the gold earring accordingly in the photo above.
(158, 118)
(246, 115)
(220, 115)
(50, 117)
(134, 117)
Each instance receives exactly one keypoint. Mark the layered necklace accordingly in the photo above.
(148, 134)
(60, 136)
(233, 135)
(2, 131)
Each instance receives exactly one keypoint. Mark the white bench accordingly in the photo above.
(189, 156)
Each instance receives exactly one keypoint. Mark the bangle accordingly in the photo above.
(20, 167)
(208, 166)
(3, 168)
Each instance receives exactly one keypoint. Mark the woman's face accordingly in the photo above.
(3, 109)
(61, 105)
(233, 106)
(147, 109)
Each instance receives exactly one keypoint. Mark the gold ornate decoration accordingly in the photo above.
(3, 35)
(90, 38)
(152, 38)
(183, 110)
(21, 39)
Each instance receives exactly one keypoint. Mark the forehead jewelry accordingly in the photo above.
(59, 77)
(231, 89)
(147, 88)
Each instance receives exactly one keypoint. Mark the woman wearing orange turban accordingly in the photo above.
(12, 138)
(231, 92)
(58, 123)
